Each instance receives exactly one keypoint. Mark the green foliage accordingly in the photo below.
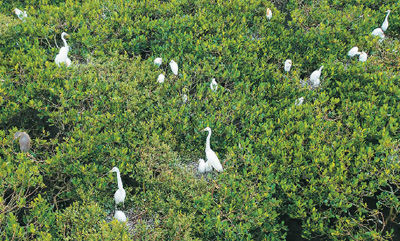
(332, 163)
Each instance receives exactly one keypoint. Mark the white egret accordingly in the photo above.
(120, 216)
(299, 101)
(21, 15)
(62, 56)
(378, 32)
(174, 67)
(208, 167)
(212, 158)
(269, 14)
(213, 85)
(202, 166)
(24, 141)
(288, 65)
(120, 194)
(363, 56)
(158, 61)
(353, 52)
(314, 77)
(161, 78)
(385, 23)
(184, 98)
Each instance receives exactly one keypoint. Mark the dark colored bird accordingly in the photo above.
(24, 141)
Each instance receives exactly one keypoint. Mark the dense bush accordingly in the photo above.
(327, 169)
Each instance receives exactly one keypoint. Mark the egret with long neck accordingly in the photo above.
(120, 194)
(62, 57)
(212, 158)
(385, 23)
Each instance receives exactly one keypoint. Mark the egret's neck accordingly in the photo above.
(387, 15)
(119, 181)
(208, 141)
(65, 42)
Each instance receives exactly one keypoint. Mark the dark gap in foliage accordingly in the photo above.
(29, 120)
(131, 182)
(294, 228)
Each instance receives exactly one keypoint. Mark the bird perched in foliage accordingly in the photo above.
(269, 14)
(288, 65)
(24, 141)
(184, 98)
(62, 56)
(363, 56)
(174, 67)
(385, 23)
(299, 101)
(21, 15)
(120, 216)
(378, 32)
(353, 52)
(202, 166)
(314, 77)
(161, 78)
(120, 194)
(158, 61)
(212, 158)
(213, 85)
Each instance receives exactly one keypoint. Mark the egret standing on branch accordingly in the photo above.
(24, 141)
(314, 77)
(378, 32)
(212, 158)
(353, 52)
(120, 194)
(214, 85)
(161, 78)
(21, 15)
(288, 65)
(62, 57)
(202, 166)
(363, 56)
(120, 216)
(385, 23)
(174, 67)
(269, 14)
(158, 61)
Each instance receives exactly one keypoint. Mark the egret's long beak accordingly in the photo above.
(203, 130)
(13, 10)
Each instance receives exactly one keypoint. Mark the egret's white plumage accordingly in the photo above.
(269, 14)
(62, 56)
(288, 65)
(213, 85)
(161, 78)
(212, 158)
(120, 194)
(24, 141)
(158, 61)
(120, 216)
(21, 15)
(202, 166)
(174, 67)
(299, 101)
(385, 23)
(208, 167)
(314, 77)
(363, 56)
(378, 32)
(184, 98)
(353, 52)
